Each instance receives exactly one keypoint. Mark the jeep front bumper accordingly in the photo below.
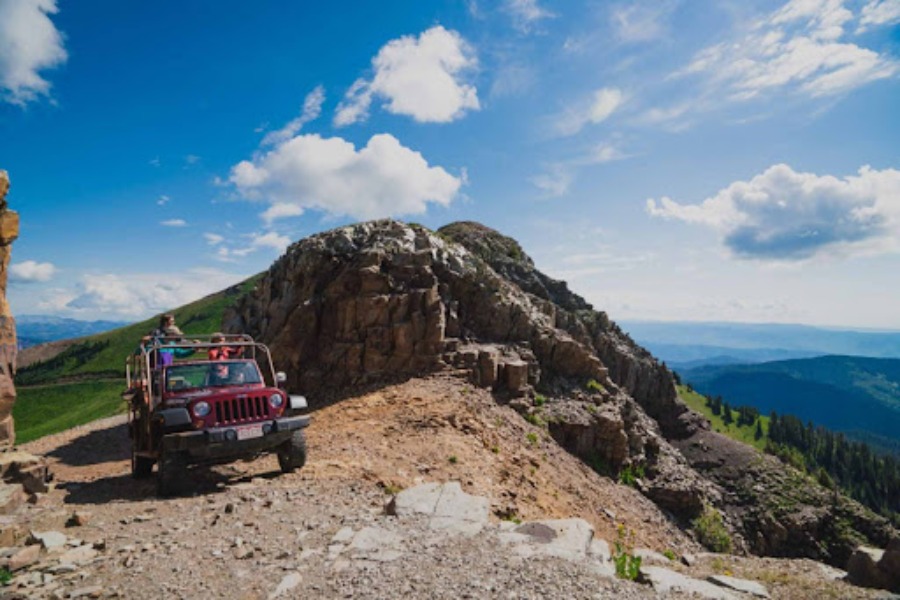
(234, 441)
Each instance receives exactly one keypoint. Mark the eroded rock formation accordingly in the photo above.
(9, 231)
(382, 300)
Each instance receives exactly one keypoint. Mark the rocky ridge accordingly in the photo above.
(333, 530)
(382, 301)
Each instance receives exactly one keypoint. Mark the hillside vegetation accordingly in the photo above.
(830, 458)
(742, 432)
(857, 395)
(85, 381)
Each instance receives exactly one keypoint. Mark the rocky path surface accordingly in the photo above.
(246, 531)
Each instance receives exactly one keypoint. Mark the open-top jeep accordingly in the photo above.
(200, 410)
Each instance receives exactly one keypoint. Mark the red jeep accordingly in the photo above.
(198, 410)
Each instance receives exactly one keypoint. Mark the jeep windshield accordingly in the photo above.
(211, 374)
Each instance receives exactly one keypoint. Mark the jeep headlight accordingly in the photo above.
(276, 400)
(201, 409)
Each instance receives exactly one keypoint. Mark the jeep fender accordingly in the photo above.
(173, 418)
(298, 402)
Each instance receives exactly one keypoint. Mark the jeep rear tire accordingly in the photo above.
(141, 466)
(292, 453)
(171, 474)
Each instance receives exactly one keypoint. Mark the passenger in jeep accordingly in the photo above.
(232, 373)
(223, 352)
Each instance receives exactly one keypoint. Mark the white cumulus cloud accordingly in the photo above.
(213, 239)
(29, 271)
(174, 223)
(281, 211)
(252, 242)
(555, 181)
(877, 13)
(140, 295)
(596, 109)
(526, 13)
(312, 108)
(797, 48)
(29, 44)
(642, 20)
(422, 78)
(329, 174)
(784, 215)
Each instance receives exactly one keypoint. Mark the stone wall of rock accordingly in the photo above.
(382, 300)
(9, 231)
(629, 365)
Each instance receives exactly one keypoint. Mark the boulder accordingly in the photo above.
(562, 538)
(447, 507)
(666, 581)
(863, 568)
(745, 586)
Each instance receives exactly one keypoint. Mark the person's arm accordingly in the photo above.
(183, 352)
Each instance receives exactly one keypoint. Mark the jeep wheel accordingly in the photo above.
(170, 476)
(141, 466)
(292, 453)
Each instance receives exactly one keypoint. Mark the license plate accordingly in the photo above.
(249, 432)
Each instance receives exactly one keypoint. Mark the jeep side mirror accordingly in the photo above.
(280, 377)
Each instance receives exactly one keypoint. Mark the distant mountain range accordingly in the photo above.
(32, 330)
(688, 345)
(857, 395)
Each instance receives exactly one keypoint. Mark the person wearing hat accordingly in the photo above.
(167, 333)
(223, 352)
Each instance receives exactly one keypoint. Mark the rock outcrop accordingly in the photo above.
(871, 567)
(381, 301)
(9, 231)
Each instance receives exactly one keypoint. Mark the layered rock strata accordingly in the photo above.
(382, 300)
(9, 231)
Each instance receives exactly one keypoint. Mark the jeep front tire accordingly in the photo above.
(292, 453)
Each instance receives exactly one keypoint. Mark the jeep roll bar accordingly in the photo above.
(144, 365)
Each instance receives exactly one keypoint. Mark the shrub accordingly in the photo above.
(630, 474)
(711, 530)
(539, 399)
(628, 566)
(532, 438)
(453, 460)
(595, 386)
(535, 419)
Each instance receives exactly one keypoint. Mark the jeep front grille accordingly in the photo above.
(241, 409)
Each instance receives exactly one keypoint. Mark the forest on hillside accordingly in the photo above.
(835, 461)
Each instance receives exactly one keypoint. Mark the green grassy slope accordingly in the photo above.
(84, 382)
(43, 410)
(845, 393)
(743, 433)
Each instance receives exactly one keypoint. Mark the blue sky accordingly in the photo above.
(673, 160)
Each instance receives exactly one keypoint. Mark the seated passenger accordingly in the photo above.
(223, 374)
(223, 352)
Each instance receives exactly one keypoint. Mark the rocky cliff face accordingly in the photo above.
(9, 231)
(382, 301)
